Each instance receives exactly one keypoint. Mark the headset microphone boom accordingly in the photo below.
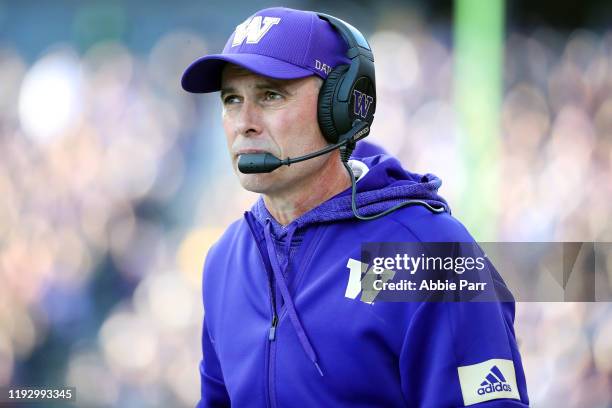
(265, 162)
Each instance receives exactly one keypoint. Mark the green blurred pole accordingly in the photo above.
(478, 33)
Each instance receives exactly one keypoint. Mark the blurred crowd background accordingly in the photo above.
(114, 182)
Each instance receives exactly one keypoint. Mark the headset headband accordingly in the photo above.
(358, 45)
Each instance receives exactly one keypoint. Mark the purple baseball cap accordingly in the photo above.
(276, 42)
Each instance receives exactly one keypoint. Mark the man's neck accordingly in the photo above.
(289, 205)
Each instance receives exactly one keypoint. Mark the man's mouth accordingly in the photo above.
(249, 151)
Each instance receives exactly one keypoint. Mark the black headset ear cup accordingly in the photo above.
(326, 104)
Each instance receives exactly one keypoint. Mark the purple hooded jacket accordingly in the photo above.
(282, 329)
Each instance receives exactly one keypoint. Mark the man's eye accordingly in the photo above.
(273, 96)
(231, 99)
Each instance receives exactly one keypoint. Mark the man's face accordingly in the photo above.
(262, 114)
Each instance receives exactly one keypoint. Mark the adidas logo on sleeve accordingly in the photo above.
(494, 381)
(489, 380)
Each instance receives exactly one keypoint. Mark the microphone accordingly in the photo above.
(253, 163)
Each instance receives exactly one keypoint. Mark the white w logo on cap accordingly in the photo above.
(252, 30)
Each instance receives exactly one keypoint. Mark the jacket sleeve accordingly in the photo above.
(462, 354)
(213, 391)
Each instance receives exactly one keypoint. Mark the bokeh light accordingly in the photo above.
(50, 97)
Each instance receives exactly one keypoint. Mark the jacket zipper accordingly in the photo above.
(276, 318)
(271, 360)
(272, 334)
(270, 343)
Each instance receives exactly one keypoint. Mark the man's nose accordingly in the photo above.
(249, 119)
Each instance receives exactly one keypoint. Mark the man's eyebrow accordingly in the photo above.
(264, 84)
(226, 90)
(270, 83)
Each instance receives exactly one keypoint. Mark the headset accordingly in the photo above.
(345, 112)
(349, 92)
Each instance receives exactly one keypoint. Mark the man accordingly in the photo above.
(284, 326)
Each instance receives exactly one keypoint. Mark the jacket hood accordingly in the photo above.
(383, 184)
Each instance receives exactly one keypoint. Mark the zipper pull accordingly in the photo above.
(272, 335)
